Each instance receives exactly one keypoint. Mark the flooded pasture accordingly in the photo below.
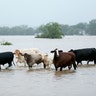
(20, 81)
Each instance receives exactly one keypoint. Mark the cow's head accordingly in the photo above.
(56, 52)
(17, 53)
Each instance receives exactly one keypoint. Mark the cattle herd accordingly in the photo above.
(59, 59)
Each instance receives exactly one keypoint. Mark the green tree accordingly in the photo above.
(17, 30)
(81, 28)
(91, 30)
(51, 30)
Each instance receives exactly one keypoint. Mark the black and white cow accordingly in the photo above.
(6, 57)
(86, 54)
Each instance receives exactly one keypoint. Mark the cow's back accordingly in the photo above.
(85, 54)
(6, 57)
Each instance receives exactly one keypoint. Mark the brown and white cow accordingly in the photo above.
(63, 59)
(32, 59)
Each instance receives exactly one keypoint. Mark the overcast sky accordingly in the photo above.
(37, 12)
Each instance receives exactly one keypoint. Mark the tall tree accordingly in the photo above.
(51, 30)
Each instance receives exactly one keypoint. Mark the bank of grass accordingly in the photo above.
(5, 43)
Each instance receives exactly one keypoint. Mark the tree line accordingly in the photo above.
(17, 30)
(78, 29)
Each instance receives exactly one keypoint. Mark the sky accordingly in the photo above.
(40, 12)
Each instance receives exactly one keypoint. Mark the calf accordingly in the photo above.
(86, 54)
(6, 57)
(63, 59)
(47, 60)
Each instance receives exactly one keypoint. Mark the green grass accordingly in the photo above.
(5, 43)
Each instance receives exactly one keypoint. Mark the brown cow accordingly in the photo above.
(63, 59)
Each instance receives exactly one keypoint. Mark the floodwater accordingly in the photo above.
(20, 81)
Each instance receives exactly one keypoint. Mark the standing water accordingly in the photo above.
(20, 81)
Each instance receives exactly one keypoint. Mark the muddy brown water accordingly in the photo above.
(21, 81)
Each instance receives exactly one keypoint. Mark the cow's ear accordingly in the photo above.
(52, 51)
(71, 50)
(60, 50)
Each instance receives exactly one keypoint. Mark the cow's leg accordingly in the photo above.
(44, 65)
(30, 65)
(88, 62)
(56, 68)
(13, 63)
(69, 67)
(17, 63)
(80, 62)
(77, 63)
(0, 67)
(74, 65)
(10, 64)
(60, 68)
(24, 63)
(94, 61)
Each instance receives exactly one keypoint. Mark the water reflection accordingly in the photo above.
(64, 72)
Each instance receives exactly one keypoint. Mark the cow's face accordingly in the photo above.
(56, 52)
(17, 53)
(26, 56)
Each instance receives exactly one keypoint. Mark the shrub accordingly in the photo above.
(5, 43)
